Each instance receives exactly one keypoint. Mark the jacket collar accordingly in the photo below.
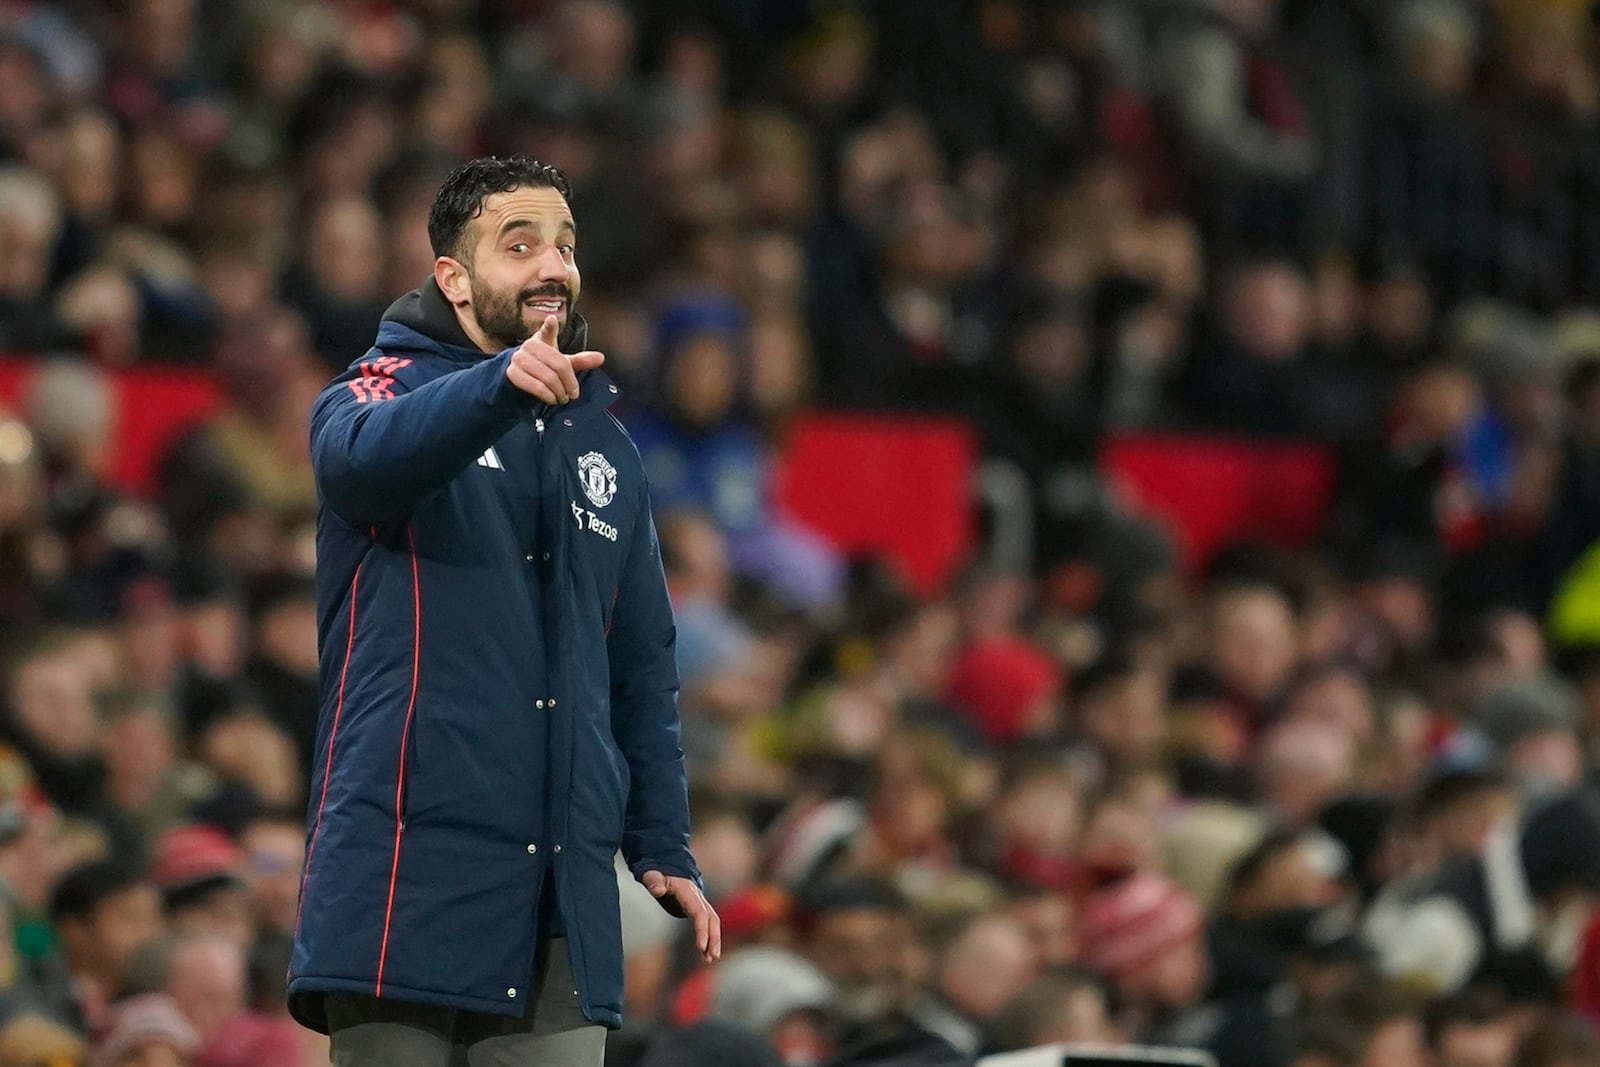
(426, 311)
(596, 392)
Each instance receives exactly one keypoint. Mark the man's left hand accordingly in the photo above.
(683, 898)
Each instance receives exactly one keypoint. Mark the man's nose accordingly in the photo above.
(552, 266)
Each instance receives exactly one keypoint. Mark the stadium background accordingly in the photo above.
(1129, 475)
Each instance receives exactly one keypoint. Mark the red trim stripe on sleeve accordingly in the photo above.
(377, 379)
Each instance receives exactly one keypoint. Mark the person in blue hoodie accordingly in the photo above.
(702, 451)
(498, 697)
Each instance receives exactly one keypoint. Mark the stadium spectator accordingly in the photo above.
(101, 913)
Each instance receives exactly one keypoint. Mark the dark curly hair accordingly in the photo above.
(460, 199)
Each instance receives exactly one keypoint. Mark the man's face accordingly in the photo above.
(227, 913)
(521, 264)
(1128, 719)
(1052, 925)
(1290, 880)
(851, 945)
(277, 853)
(1254, 641)
(127, 921)
(1269, 313)
(1396, 1043)
(987, 966)
(287, 635)
(53, 701)
(703, 380)
(208, 982)
(855, 947)
(121, 923)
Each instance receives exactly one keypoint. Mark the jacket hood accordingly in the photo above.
(423, 320)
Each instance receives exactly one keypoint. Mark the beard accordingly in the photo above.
(502, 316)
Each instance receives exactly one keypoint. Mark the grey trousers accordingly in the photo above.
(367, 1032)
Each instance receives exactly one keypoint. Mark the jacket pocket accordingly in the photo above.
(406, 773)
(622, 778)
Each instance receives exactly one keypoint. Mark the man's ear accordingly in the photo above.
(451, 276)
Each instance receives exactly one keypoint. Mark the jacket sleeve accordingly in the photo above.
(379, 448)
(644, 712)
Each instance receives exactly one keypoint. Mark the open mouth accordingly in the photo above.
(547, 305)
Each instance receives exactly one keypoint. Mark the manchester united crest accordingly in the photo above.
(599, 478)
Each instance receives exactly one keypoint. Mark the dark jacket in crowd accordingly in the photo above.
(498, 706)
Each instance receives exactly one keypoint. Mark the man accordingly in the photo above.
(498, 697)
(101, 913)
(200, 872)
(1146, 937)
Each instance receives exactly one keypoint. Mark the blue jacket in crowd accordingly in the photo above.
(498, 696)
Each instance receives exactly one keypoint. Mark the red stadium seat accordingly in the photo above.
(153, 406)
(879, 484)
(1212, 490)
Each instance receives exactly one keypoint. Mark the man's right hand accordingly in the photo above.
(543, 371)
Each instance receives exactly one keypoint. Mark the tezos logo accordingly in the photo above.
(588, 520)
(599, 478)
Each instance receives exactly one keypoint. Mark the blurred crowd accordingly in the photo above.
(1335, 806)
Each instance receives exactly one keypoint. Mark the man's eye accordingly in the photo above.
(520, 247)
(566, 250)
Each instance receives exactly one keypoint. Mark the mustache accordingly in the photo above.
(551, 289)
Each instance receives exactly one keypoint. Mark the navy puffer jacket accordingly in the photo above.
(498, 697)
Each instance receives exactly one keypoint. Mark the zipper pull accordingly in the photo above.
(538, 427)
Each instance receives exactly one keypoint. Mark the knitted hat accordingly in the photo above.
(805, 842)
(141, 1020)
(996, 682)
(190, 857)
(1132, 922)
(695, 316)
